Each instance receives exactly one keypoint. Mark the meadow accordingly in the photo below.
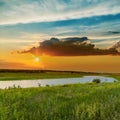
(40, 74)
(67, 102)
(93, 101)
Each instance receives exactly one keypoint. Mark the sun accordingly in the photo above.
(37, 59)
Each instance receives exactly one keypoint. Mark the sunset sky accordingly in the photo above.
(80, 35)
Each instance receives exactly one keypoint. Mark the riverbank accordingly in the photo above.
(55, 82)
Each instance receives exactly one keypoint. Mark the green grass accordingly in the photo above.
(67, 102)
(31, 76)
(116, 76)
(42, 74)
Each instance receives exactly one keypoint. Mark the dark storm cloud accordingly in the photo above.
(69, 47)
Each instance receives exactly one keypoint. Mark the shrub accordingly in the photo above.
(39, 85)
(96, 80)
(47, 85)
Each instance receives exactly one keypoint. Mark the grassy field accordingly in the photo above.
(31, 75)
(67, 102)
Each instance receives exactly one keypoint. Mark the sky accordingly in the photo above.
(81, 35)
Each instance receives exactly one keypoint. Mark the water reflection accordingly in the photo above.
(51, 82)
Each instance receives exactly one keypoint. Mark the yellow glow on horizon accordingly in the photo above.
(37, 59)
(77, 63)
